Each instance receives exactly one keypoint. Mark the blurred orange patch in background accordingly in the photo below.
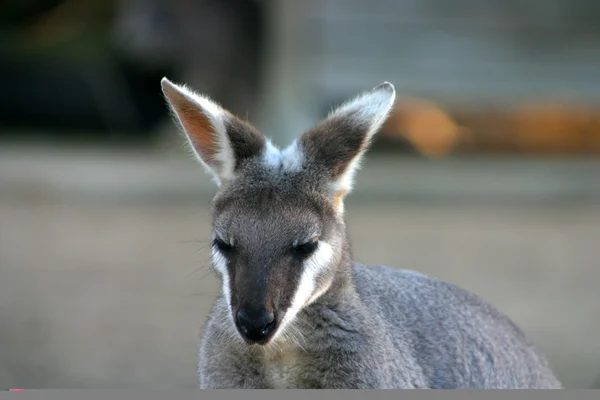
(535, 128)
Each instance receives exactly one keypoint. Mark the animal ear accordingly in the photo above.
(220, 141)
(336, 145)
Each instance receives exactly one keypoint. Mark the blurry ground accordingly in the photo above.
(102, 270)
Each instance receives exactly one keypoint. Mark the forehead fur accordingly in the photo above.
(266, 187)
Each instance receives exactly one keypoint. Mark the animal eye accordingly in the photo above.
(221, 245)
(305, 249)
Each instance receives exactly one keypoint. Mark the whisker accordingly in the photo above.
(202, 266)
(201, 248)
(204, 294)
(209, 272)
(193, 241)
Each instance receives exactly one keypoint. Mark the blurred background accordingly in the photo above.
(486, 175)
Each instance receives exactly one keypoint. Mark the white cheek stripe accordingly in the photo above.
(305, 291)
(220, 265)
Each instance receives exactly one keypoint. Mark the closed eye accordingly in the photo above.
(307, 248)
(221, 245)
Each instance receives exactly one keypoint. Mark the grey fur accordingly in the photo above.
(371, 327)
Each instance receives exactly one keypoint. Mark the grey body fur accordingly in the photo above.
(433, 335)
(295, 310)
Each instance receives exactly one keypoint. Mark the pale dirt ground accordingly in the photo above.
(101, 295)
(94, 297)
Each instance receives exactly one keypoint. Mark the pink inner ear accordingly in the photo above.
(196, 124)
(201, 133)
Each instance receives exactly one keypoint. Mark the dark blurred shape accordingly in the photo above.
(61, 78)
(76, 70)
(16, 13)
(214, 46)
(77, 98)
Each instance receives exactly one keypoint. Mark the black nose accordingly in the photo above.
(256, 324)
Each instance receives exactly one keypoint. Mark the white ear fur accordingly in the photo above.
(365, 115)
(203, 122)
(370, 109)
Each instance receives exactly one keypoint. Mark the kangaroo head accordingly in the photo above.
(279, 235)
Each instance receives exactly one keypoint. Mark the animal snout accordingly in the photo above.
(256, 324)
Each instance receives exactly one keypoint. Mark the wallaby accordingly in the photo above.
(295, 311)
